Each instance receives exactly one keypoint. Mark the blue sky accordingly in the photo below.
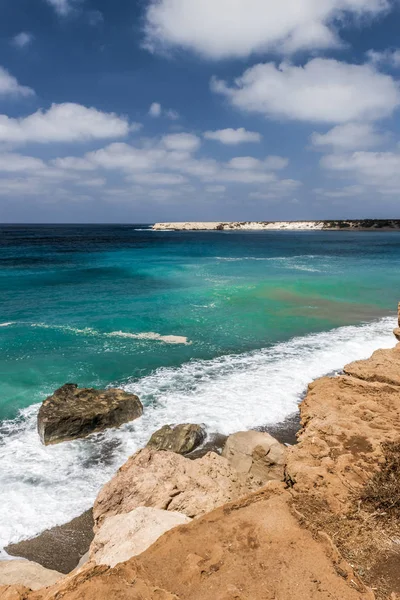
(154, 110)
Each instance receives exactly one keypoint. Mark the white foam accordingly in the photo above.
(147, 335)
(42, 487)
(7, 324)
(151, 335)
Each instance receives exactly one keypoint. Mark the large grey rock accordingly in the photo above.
(255, 456)
(73, 412)
(28, 574)
(181, 439)
(123, 536)
(169, 481)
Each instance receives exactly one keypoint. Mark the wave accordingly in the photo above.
(147, 335)
(151, 335)
(42, 487)
(6, 324)
(304, 262)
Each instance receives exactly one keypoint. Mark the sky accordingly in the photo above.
(138, 111)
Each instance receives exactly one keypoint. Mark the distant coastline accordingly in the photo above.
(332, 225)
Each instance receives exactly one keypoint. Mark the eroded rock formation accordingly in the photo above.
(169, 481)
(255, 455)
(73, 412)
(126, 535)
(181, 439)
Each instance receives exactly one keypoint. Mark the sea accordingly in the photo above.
(220, 328)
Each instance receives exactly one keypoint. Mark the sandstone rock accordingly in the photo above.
(169, 481)
(397, 333)
(383, 366)
(123, 536)
(27, 574)
(251, 549)
(345, 421)
(181, 439)
(72, 413)
(255, 455)
(14, 592)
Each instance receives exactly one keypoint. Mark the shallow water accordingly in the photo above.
(226, 329)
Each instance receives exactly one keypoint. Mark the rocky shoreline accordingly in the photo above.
(333, 225)
(316, 520)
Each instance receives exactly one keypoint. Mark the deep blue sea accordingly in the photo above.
(221, 328)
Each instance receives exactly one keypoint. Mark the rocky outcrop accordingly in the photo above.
(169, 481)
(181, 439)
(123, 536)
(27, 574)
(250, 549)
(382, 367)
(255, 455)
(345, 422)
(73, 412)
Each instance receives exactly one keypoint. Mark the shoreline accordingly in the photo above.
(326, 521)
(323, 225)
(61, 548)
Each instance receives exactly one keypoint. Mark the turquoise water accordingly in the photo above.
(223, 328)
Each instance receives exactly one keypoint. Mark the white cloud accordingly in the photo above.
(389, 57)
(125, 157)
(155, 110)
(271, 163)
(237, 28)
(323, 90)
(182, 142)
(232, 137)
(380, 170)
(14, 163)
(63, 123)
(350, 136)
(172, 115)
(62, 7)
(154, 178)
(277, 189)
(9, 86)
(74, 163)
(345, 192)
(22, 39)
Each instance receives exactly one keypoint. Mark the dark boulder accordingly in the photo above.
(72, 413)
(181, 439)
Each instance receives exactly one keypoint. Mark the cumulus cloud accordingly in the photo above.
(22, 39)
(156, 111)
(63, 123)
(350, 136)
(9, 85)
(380, 170)
(62, 7)
(323, 90)
(171, 160)
(184, 142)
(227, 28)
(277, 189)
(233, 137)
(347, 191)
(11, 162)
(271, 163)
(390, 57)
